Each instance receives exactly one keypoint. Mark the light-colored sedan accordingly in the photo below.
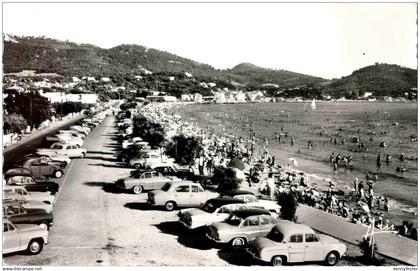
(45, 197)
(69, 150)
(294, 243)
(142, 181)
(213, 210)
(241, 227)
(180, 194)
(29, 237)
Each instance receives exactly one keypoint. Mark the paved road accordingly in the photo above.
(95, 224)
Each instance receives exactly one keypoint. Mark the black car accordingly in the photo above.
(19, 215)
(130, 152)
(24, 177)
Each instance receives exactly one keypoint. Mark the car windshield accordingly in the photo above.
(166, 187)
(233, 220)
(57, 147)
(275, 235)
(208, 207)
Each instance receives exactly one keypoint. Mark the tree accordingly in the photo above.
(288, 203)
(185, 149)
(14, 123)
(226, 179)
(151, 132)
(31, 105)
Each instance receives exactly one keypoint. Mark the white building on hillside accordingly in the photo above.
(219, 97)
(198, 98)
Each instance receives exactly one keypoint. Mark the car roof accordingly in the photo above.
(235, 192)
(223, 201)
(186, 182)
(288, 228)
(17, 172)
(250, 212)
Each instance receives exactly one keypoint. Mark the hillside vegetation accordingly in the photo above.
(122, 62)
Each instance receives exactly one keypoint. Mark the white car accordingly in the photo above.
(250, 199)
(72, 133)
(213, 210)
(140, 160)
(81, 129)
(45, 197)
(71, 139)
(290, 242)
(70, 150)
(29, 237)
(132, 141)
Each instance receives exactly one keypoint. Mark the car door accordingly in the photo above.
(296, 248)
(198, 195)
(313, 248)
(11, 238)
(159, 180)
(251, 227)
(35, 167)
(182, 195)
(146, 181)
(45, 168)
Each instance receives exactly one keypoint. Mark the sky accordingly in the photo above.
(325, 40)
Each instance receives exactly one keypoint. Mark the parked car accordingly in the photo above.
(169, 169)
(24, 177)
(133, 141)
(72, 133)
(60, 160)
(179, 194)
(70, 139)
(80, 129)
(293, 243)
(70, 150)
(20, 215)
(140, 160)
(28, 204)
(131, 151)
(241, 227)
(29, 237)
(213, 210)
(45, 197)
(44, 166)
(251, 199)
(141, 181)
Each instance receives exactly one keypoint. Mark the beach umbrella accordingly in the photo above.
(293, 160)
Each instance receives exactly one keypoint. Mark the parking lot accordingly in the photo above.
(96, 224)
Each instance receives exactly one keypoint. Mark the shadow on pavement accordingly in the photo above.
(143, 206)
(235, 256)
(106, 187)
(102, 158)
(99, 152)
(108, 165)
(189, 238)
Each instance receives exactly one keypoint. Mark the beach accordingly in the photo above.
(372, 123)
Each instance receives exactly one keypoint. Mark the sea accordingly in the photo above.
(373, 123)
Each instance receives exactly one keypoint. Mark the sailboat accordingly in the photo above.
(313, 105)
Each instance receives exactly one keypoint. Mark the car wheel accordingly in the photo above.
(43, 225)
(138, 189)
(277, 261)
(137, 165)
(170, 206)
(238, 242)
(58, 173)
(35, 246)
(331, 259)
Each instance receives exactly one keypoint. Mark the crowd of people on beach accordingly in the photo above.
(262, 172)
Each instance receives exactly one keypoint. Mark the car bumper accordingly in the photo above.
(253, 254)
(214, 239)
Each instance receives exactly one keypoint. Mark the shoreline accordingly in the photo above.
(397, 213)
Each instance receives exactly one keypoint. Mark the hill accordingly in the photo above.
(379, 79)
(71, 59)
